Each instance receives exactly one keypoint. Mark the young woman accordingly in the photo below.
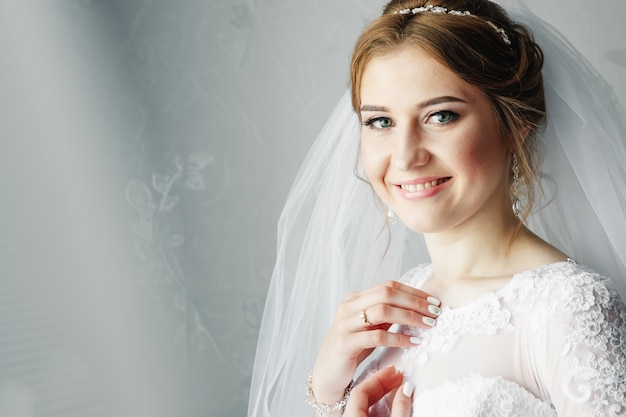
(450, 103)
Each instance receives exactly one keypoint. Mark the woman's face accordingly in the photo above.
(430, 144)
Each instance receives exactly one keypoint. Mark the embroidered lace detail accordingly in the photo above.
(581, 309)
(477, 396)
(594, 332)
(472, 396)
(486, 316)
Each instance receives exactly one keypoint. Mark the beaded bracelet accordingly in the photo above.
(321, 408)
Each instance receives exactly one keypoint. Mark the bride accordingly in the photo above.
(493, 179)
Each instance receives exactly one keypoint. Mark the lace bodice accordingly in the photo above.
(551, 342)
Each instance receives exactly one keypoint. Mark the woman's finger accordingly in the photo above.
(377, 338)
(391, 295)
(372, 390)
(390, 284)
(393, 287)
(401, 406)
(385, 314)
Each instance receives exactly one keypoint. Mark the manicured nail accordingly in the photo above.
(407, 389)
(430, 321)
(416, 340)
(434, 310)
(434, 301)
(395, 328)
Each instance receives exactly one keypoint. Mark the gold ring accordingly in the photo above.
(364, 319)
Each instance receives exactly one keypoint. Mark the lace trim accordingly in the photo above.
(485, 315)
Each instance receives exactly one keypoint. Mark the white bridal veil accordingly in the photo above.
(332, 237)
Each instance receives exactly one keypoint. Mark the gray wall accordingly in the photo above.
(161, 137)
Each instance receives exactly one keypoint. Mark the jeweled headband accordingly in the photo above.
(443, 10)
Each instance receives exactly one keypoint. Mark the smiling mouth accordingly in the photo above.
(413, 188)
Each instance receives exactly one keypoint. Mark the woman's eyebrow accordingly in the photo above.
(427, 103)
(439, 100)
(368, 107)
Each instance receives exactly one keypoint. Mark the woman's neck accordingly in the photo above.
(481, 249)
(491, 249)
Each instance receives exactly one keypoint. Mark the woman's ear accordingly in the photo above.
(525, 131)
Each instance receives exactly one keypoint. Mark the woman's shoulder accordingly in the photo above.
(563, 286)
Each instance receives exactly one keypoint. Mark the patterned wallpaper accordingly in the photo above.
(205, 110)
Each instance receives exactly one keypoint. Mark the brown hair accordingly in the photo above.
(510, 75)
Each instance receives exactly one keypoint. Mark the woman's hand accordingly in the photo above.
(361, 324)
(370, 391)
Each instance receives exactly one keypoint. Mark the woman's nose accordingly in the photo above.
(409, 151)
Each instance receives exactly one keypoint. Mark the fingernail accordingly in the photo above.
(416, 340)
(407, 389)
(434, 310)
(395, 328)
(434, 301)
(430, 321)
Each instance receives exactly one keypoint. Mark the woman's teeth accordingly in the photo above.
(412, 188)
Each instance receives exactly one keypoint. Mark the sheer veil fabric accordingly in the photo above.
(333, 239)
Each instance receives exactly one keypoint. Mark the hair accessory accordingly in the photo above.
(392, 217)
(517, 203)
(438, 9)
(321, 408)
(364, 319)
(501, 31)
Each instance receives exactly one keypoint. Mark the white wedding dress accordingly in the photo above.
(551, 342)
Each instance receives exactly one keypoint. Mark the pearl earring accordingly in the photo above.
(392, 218)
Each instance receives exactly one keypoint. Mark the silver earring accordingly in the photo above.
(517, 203)
(392, 218)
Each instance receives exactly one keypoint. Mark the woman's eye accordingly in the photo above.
(379, 123)
(442, 117)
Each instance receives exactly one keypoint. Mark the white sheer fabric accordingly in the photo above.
(332, 239)
(551, 342)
